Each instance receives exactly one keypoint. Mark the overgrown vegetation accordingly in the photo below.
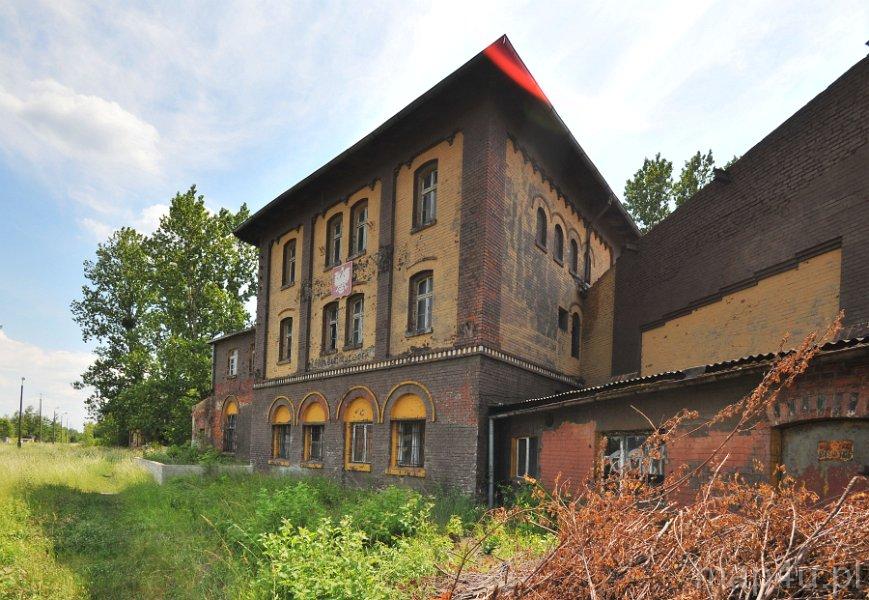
(86, 523)
(736, 540)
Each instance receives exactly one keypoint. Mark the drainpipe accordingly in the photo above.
(491, 462)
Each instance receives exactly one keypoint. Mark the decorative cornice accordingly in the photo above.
(429, 357)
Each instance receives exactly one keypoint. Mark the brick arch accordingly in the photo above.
(358, 391)
(310, 398)
(231, 399)
(409, 387)
(282, 401)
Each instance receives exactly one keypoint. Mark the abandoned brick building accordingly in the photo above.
(460, 299)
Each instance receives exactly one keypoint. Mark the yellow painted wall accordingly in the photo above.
(283, 302)
(534, 285)
(597, 332)
(749, 321)
(434, 248)
(364, 278)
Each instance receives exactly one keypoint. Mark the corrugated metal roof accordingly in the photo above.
(689, 373)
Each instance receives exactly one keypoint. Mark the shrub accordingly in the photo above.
(391, 513)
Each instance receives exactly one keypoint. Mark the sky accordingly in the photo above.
(107, 109)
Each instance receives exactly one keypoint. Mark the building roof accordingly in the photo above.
(629, 383)
(224, 336)
(499, 57)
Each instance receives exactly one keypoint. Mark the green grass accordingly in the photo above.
(87, 523)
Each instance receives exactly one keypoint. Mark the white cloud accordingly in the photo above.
(47, 372)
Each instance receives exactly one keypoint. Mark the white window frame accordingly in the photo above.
(333, 239)
(356, 315)
(618, 460)
(360, 229)
(523, 470)
(423, 296)
(416, 451)
(232, 368)
(428, 195)
(286, 338)
(331, 323)
(355, 429)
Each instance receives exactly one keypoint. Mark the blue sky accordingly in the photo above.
(106, 111)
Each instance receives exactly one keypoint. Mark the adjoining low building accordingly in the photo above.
(460, 299)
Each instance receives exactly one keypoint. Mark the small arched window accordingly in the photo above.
(421, 303)
(408, 416)
(558, 251)
(288, 274)
(333, 240)
(230, 422)
(541, 228)
(586, 267)
(574, 335)
(359, 224)
(358, 417)
(314, 417)
(282, 419)
(574, 257)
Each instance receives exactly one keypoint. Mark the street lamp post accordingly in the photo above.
(20, 410)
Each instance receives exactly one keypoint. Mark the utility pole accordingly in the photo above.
(40, 418)
(20, 410)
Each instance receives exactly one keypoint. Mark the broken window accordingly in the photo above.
(625, 453)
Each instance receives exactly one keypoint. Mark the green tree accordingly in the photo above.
(6, 428)
(153, 303)
(648, 193)
(696, 173)
(651, 194)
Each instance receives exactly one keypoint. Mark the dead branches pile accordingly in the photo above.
(625, 538)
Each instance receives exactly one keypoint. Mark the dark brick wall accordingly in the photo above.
(240, 387)
(806, 183)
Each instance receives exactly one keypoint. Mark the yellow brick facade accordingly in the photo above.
(434, 248)
(749, 321)
(534, 284)
(284, 301)
(365, 274)
(597, 332)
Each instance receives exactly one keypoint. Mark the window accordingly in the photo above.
(288, 275)
(230, 420)
(355, 321)
(586, 267)
(541, 228)
(286, 350)
(314, 417)
(574, 335)
(358, 416)
(523, 460)
(314, 443)
(562, 319)
(408, 416)
(421, 300)
(425, 199)
(359, 442)
(359, 222)
(627, 452)
(574, 257)
(281, 429)
(333, 241)
(559, 244)
(232, 363)
(330, 327)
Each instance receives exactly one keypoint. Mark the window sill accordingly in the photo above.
(558, 261)
(286, 361)
(328, 268)
(540, 247)
(418, 228)
(328, 352)
(406, 471)
(352, 347)
(287, 286)
(410, 334)
(280, 462)
(360, 467)
(232, 376)
(311, 464)
(357, 255)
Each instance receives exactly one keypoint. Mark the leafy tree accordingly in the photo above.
(651, 194)
(6, 428)
(696, 173)
(153, 303)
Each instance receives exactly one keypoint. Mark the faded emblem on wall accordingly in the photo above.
(841, 450)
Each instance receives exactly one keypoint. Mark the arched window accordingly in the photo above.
(359, 224)
(314, 417)
(286, 342)
(358, 416)
(574, 335)
(330, 327)
(425, 194)
(288, 273)
(355, 321)
(230, 422)
(407, 417)
(282, 419)
(333, 240)
(558, 251)
(541, 228)
(574, 257)
(586, 267)
(421, 303)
